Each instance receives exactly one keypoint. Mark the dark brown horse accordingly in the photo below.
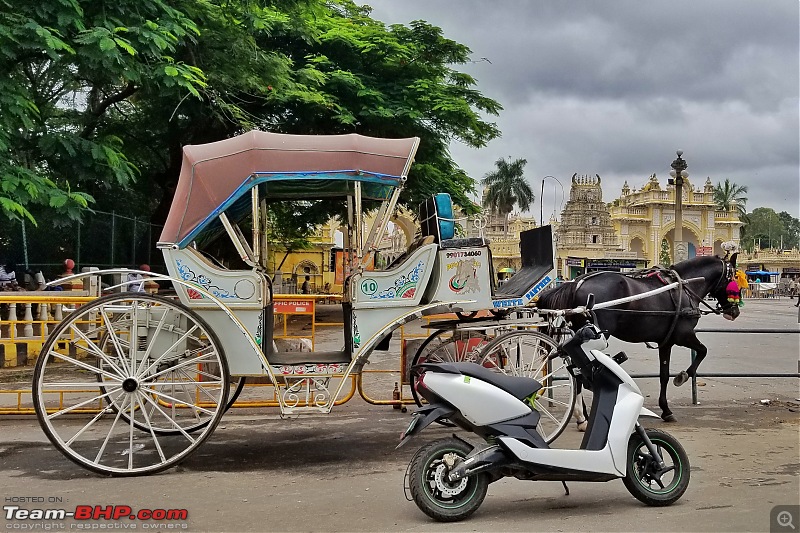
(667, 318)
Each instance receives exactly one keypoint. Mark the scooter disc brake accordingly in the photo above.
(447, 489)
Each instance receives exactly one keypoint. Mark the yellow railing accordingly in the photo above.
(26, 319)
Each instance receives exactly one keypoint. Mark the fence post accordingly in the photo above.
(133, 244)
(27, 328)
(12, 320)
(44, 318)
(113, 237)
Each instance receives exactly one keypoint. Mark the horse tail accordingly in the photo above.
(562, 297)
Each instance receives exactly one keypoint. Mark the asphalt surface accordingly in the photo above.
(340, 472)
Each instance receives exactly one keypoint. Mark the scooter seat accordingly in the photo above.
(518, 386)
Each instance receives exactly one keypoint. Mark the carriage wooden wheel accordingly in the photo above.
(145, 381)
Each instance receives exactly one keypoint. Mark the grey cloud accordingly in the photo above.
(615, 87)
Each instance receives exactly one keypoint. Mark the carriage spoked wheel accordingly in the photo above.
(130, 384)
(525, 353)
(448, 346)
(175, 379)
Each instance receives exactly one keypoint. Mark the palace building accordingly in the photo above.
(645, 219)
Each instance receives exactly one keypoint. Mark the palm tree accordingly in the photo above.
(729, 196)
(507, 187)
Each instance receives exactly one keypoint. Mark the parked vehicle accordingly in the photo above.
(448, 479)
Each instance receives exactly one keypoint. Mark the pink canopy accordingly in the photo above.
(214, 174)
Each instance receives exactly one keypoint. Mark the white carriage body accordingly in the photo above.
(439, 273)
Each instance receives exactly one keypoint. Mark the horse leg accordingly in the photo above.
(692, 343)
(663, 374)
(579, 409)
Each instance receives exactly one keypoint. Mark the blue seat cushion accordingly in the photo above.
(444, 210)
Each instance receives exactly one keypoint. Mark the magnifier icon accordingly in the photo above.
(785, 519)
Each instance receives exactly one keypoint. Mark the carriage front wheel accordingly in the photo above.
(526, 353)
(130, 384)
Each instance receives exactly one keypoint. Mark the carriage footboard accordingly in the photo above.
(301, 358)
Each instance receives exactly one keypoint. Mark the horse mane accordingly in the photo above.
(561, 297)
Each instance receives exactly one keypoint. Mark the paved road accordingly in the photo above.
(341, 473)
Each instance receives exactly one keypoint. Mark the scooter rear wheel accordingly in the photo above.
(437, 497)
(645, 481)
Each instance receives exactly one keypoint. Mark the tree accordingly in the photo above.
(664, 257)
(792, 226)
(764, 229)
(729, 196)
(99, 101)
(67, 66)
(100, 98)
(507, 187)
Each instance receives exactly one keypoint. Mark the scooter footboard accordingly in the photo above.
(587, 461)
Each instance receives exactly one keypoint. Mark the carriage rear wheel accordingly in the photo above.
(525, 353)
(130, 384)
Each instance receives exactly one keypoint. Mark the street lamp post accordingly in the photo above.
(678, 174)
(541, 198)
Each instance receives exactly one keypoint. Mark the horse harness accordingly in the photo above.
(667, 276)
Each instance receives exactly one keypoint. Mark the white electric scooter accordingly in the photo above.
(448, 478)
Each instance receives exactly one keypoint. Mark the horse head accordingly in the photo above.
(726, 294)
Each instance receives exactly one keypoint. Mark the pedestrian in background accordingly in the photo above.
(8, 276)
(136, 280)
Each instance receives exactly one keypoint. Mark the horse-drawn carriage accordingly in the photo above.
(133, 383)
(153, 375)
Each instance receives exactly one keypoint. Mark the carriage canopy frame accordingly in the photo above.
(216, 176)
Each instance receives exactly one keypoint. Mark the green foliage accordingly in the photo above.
(664, 257)
(792, 234)
(99, 98)
(729, 196)
(70, 68)
(768, 229)
(507, 187)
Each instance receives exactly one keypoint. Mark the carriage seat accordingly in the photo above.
(436, 219)
(536, 251)
(416, 245)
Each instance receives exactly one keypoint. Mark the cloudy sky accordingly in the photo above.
(615, 87)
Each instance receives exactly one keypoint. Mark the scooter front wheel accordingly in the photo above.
(645, 480)
(433, 493)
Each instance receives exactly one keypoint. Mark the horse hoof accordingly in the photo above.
(582, 426)
(669, 418)
(681, 378)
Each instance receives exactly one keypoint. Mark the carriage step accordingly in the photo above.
(308, 388)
